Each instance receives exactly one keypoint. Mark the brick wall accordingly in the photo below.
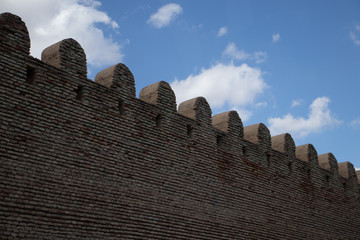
(88, 160)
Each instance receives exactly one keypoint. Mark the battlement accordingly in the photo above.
(102, 153)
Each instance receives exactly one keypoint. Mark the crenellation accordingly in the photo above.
(349, 180)
(347, 170)
(82, 159)
(284, 143)
(14, 36)
(328, 162)
(159, 94)
(197, 109)
(259, 134)
(282, 163)
(117, 77)
(307, 153)
(230, 124)
(67, 55)
(14, 47)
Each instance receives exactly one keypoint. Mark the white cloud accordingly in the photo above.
(222, 84)
(232, 52)
(275, 37)
(355, 123)
(50, 21)
(354, 35)
(165, 15)
(357, 169)
(296, 103)
(226, 85)
(319, 118)
(222, 31)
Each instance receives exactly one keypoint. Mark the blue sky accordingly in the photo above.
(292, 65)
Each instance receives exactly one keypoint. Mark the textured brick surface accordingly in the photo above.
(87, 160)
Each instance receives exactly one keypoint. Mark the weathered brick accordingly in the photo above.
(88, 160)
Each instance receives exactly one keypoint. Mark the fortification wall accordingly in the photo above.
(88, 160)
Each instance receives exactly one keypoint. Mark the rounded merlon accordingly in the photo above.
(197, 109)
(307, 153)
(118, 77)
(328, 162)
(14, 34)
(284, 143)
(160, 94)
(259, 134)
(347, 170)
(67, 55)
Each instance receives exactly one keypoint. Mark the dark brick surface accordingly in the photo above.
(79, 160)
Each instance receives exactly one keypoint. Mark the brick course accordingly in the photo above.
(82, 159)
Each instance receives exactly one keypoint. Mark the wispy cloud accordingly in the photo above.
(221, 84)
(232, 52)
(165, 15)
(296, 103)
(318, 119)
(355, 39)
(355, 123)
(222, 31)
(260, 105)
(275, 37)
(51, 21)
(260, 57)
(355, 35)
